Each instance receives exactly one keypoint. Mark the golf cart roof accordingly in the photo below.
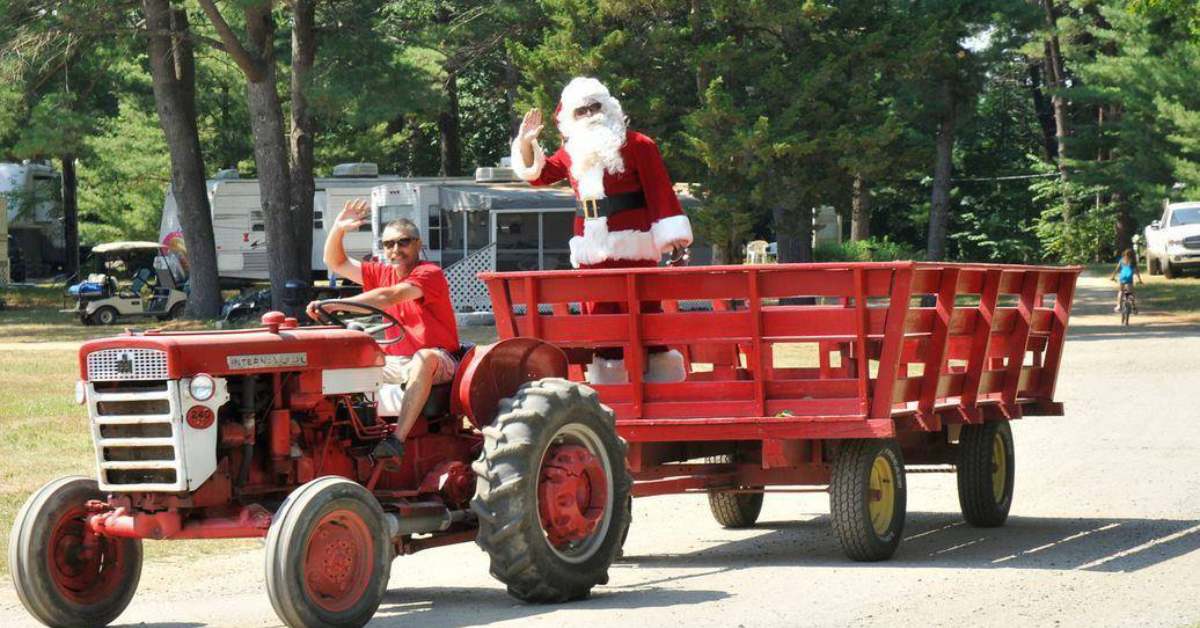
(121, 247)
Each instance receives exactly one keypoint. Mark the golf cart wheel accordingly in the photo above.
(552, 492)
(734, 509)
(868, 497)
(175, 313)
(985, 473)
(65, 575)
(328, 555)
(106, 315)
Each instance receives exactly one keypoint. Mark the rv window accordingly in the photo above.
(477, 230)
(258, 226)
(433, 239)
(318, 223)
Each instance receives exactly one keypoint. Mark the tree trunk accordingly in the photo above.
(304, 50)
(172, 69)
(448, 129)
(939, 210)
(270, 157)
(696, 23)
(860, 210)
(1059, 83)
(1045, 114)
(70, 187)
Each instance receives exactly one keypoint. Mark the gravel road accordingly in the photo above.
(1104, 531)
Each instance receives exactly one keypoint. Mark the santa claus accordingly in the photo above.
(627, 213)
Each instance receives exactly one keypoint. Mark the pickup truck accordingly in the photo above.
(1173, 242)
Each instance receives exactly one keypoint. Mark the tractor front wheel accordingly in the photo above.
(867, 497)
(552, 492)
(734, 508)
(985, 473)
(328, 555)
(64, 574)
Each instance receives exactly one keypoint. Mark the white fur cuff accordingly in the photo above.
(670, 229)
(528, 172)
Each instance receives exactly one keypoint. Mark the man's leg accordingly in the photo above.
(426, 368)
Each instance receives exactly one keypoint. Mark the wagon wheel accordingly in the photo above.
(867, 497)
(328, 555)
(734, 509)
(64, 574)
(552, 492)
(985, 473)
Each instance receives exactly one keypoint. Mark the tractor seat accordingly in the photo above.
(391, 395)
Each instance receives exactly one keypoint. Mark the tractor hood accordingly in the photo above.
(156, 355)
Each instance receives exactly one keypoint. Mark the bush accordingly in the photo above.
(872, 250)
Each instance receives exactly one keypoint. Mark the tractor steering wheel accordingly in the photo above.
(330, 316)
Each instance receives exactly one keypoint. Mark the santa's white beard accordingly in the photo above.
(594, 144)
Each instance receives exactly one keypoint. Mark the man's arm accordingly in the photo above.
(384, 297)
(353, 215)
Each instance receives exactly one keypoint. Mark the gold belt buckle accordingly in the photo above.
(594, 206)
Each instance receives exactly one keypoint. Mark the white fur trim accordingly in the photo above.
(602, 371)
(530, 172)
(665, 367)
(597, 244)
(670, 229)
(591, 183)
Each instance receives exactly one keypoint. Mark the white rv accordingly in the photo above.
(239, 227)
(32, 205)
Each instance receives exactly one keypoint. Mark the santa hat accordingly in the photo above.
(581, 91)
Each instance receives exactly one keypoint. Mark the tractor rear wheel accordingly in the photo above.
(64, 574)
(552, 492)
(730, 508)
(985, 473)
(868, 497)
(106, 315)
(328, 555)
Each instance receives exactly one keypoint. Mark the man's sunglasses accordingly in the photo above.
(586, 109)
(398, 242)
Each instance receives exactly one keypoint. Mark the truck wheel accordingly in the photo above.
(732, 509)
(985, 473)
(60, 577)
(328, 555)
(552, 492)
(106, 315)
(867, 497)
(1169, 271)
(1152, 266)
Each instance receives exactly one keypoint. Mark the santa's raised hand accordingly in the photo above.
(531, 127)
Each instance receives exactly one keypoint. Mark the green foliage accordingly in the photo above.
(870, 250)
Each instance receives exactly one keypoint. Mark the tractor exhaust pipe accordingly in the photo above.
(423, 518)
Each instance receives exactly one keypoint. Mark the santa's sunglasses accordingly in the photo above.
(398, 242)
(588, 109)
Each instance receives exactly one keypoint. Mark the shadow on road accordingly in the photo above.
(944, 540)
(1086, 332)
(408, 606)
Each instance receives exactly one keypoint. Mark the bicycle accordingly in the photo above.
(1128, 303)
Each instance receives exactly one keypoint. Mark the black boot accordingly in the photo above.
(389, 450)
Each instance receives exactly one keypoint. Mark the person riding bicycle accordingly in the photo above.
(1125, 271)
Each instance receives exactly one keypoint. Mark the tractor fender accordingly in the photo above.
(492, 372)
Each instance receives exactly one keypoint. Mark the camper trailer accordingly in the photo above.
(239, 226)
(31, 200)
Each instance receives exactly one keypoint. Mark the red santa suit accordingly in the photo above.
(627, 212)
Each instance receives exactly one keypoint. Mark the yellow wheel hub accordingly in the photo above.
(882, 505)
(999, 468)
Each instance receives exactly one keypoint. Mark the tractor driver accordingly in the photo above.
(413, 291)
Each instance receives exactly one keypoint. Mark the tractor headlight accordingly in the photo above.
(80, 393)
(201, 388)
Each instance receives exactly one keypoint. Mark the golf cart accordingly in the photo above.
(134, 279)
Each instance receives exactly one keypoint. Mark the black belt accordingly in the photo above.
(609, 205)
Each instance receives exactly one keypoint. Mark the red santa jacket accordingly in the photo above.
(639, 233)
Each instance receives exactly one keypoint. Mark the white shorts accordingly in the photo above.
(395, 370)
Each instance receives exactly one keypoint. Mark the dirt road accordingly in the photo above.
(1105, 531)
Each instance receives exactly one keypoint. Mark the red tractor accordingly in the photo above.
(268, 433)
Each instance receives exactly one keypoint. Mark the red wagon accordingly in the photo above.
(841, 375)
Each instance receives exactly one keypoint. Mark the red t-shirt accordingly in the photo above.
(429, 321)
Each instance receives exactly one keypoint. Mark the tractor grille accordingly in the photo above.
(109, 365)
(138, 438)
(1192, 242)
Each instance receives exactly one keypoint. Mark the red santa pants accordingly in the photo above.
(620, 307)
